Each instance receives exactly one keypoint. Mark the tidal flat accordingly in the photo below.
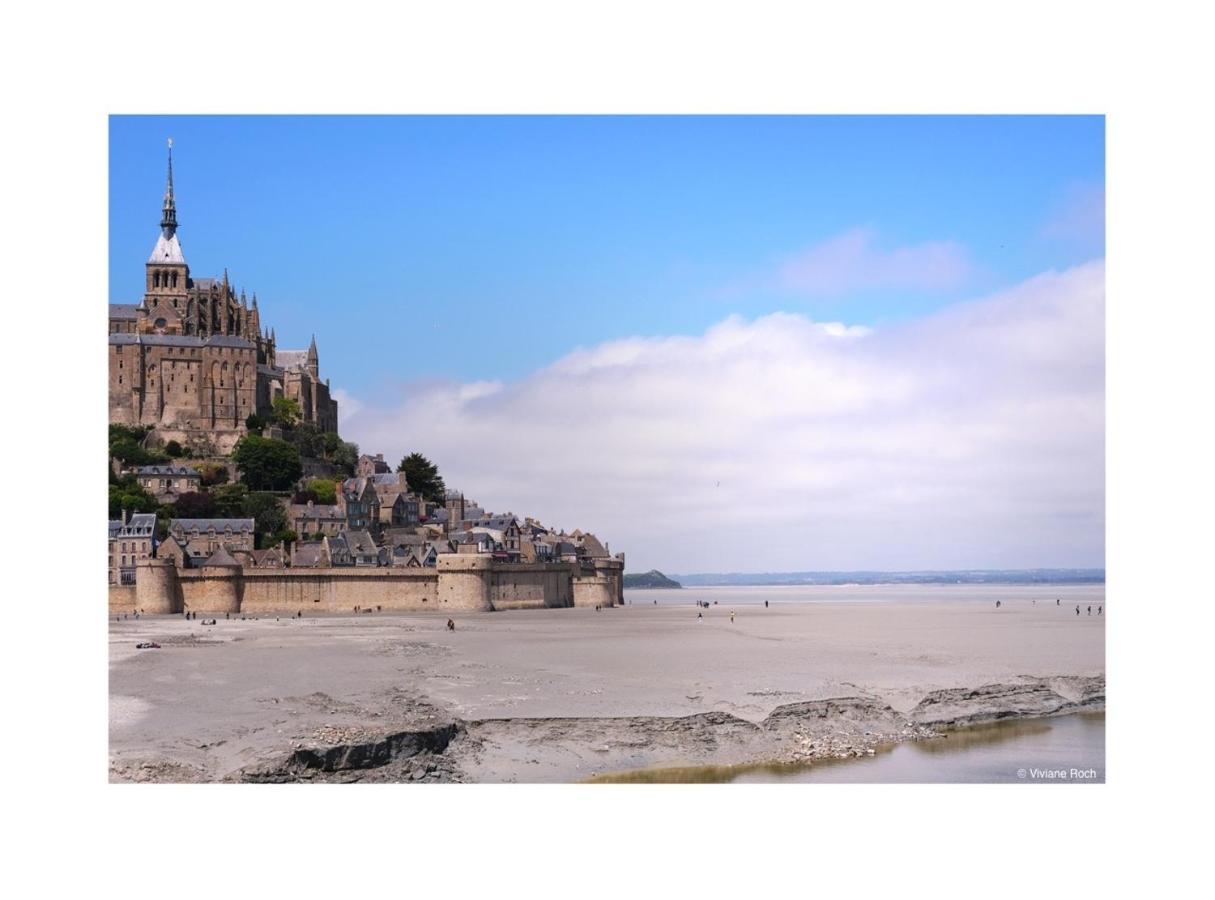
(566, 695)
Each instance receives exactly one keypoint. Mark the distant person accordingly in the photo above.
(451, 626)
(700, 616)
(731, 616)
(1077, 609)
(1099, 610)
(1056, 601)
(765, 604)
(997, 604)
(1090, 609)
(225, 617)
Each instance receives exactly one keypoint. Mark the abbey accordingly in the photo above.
(192, 359)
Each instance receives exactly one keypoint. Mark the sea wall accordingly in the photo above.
(122, 598)
(459, 582)
(534, 586)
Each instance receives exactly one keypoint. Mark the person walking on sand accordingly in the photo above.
(1090, 609)
(1099, 610)
(1056, 601)
(731, 617)
(1077, 609)
(700, 617)
(765, 604)
(451, 626)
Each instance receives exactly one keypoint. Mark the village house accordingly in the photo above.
(205, 536)
(310, 519)
(132, 539)
(360, 503)
(311, 554)
(167, 482)
(360, 549)
(371, 465)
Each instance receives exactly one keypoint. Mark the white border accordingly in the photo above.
(67, 66)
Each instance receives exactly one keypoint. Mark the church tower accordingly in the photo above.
(311, 363)
(166, 296)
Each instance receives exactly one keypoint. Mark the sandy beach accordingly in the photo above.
(564, 694)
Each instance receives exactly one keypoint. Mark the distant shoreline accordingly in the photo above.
(863, 578)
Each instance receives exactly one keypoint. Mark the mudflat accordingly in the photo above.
(564, 694)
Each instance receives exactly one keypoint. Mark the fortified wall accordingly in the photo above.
(459, 582)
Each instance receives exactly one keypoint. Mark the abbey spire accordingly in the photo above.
(168, 216)
(167, 251)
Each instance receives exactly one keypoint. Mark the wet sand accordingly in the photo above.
(214, 701)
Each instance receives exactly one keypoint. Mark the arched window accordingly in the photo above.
(156, 279)
(174, 279)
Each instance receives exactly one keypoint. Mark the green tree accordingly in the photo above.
(126, 444)
(308, 438)
(268, 515)
(325, 490)
(173, 448)
(195, 505)
(230, 500)
(254, 423)
(345, 457)
(130, 496)
(423, 477)
(286, 411)
(331, 442)
(267, 464)
(212, 474)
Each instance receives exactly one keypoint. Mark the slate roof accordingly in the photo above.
(359, 542)
(308, 553)
(290, 359)
(139, 525)
(166, 470)
(182, 340)
(124, 310)
(208, 524)
(221, 557)
(497, 523)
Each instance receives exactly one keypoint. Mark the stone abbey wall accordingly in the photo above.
(460, 582)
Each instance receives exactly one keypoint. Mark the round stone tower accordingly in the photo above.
(157, 591)
(464, 581)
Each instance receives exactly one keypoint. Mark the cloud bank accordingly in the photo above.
(970, 438)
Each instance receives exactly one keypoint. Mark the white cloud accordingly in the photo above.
(348, 406)
(970, 438)
(852, 261)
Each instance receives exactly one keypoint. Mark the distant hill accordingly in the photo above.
(974, 576)
(650, 579)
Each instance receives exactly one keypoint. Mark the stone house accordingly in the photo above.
(131, 539)
(361, 549)
(208, 535)
(307, 519)
(167, 482)
(507, 532)
(371, 465)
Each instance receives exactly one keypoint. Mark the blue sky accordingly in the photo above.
(481, 248)
(721, 344)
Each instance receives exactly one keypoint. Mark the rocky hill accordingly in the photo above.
(650, 579)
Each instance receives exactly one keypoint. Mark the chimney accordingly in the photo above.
(124, 517)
